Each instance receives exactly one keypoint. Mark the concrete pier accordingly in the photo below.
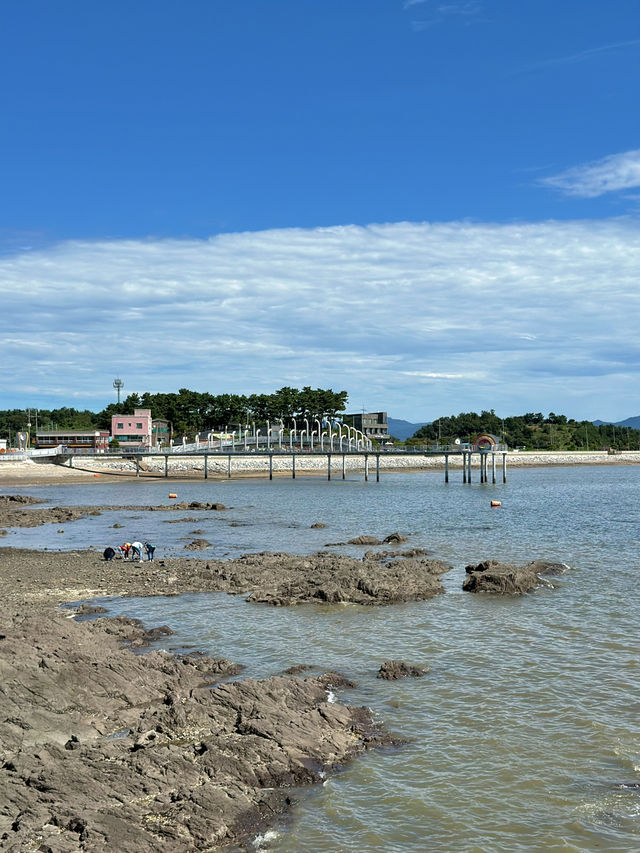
(447, 454)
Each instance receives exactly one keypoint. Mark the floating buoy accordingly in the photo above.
(496, 503)
(96, 475)
(172, 495)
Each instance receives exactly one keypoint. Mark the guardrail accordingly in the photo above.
(228, 447)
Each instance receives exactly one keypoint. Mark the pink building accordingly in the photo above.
(132, 430)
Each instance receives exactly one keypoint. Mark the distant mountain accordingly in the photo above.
(632, 423)
(403, 429)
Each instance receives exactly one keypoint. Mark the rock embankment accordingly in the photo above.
(508, 579)
(102, 749)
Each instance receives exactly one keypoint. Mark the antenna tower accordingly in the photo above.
(118, 384)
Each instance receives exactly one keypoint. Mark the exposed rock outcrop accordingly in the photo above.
(508, 579)
(106, 750)
(394, 669)
(197, 545)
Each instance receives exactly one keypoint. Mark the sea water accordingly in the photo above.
(525, 733)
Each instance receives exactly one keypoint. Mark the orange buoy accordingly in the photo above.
(172, 495)
(496, 503)
(96, 475)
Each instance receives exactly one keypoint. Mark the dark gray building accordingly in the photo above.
(372, 424)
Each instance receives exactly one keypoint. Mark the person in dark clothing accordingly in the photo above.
(150, 549)
(108, 553)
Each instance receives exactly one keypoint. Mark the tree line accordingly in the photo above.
(532, 431)
(193, 411)
(190, 411)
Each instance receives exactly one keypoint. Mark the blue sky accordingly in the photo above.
(432, 205)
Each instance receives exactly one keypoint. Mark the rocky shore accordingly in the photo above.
(106, 750)
(102, 748)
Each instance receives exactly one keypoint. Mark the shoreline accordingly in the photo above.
(203, 760)
(31, 473)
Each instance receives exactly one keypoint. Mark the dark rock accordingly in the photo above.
(283, 580)
(297, 668)
(507, 579)
(206, 505)
(394, 537)
(197, 545)
(363, 540)
(317, 525)
(89, 609)
(180, 520)
(393, 669)
(335, 681)
(383, 555)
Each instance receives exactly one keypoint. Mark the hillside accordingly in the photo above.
(403, 429)
(632, 423)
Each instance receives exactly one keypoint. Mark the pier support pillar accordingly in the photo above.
(504, 467)
(206, 469)
(464, 466)
(344, 467)
(469, 467)
(328, 466)
(229, 467)
(446, 467)
(137, 467)
(293, 466)
(493, 468)
(166, 466)
(377, 467)
(366, 467)
(271, 466)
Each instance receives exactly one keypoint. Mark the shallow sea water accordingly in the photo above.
(525, 733)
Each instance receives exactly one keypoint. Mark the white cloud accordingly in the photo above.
(610, 174)
(418, 319)
(583, 55)
(466, 9)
